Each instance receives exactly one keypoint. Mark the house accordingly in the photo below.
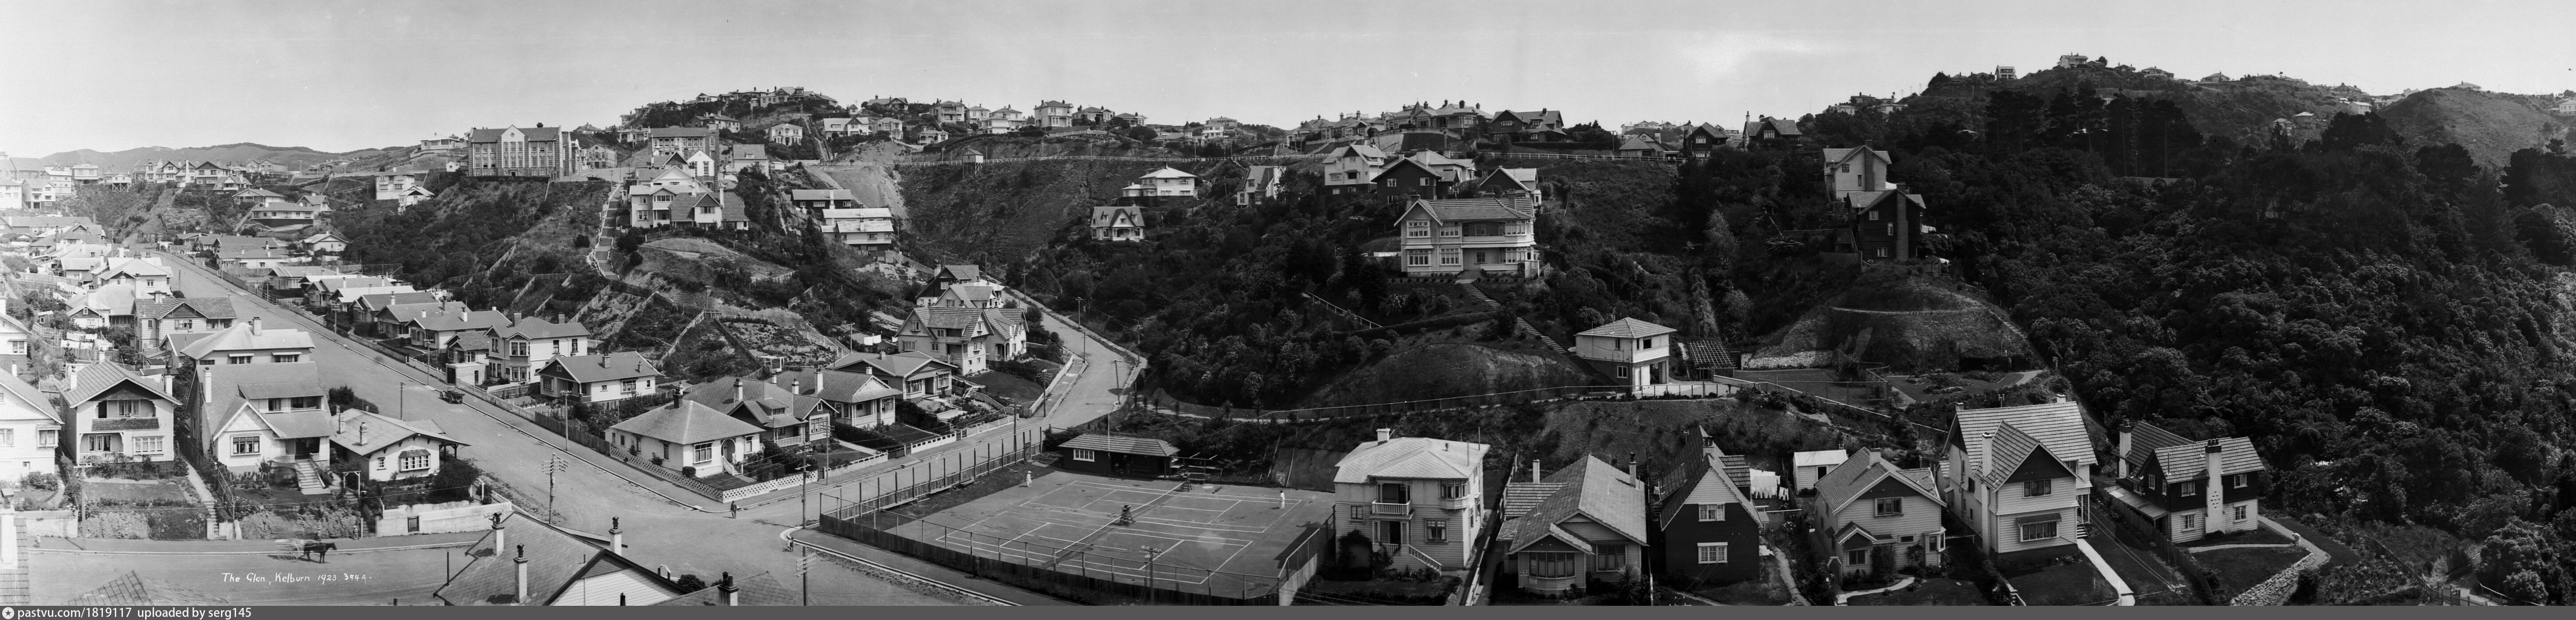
(1511, 182)
(31, 430)
(1118, 223)
(668, 141)
(2018, 475)
(2071, 60)
(1167, 181)
(1478, 235)
(256, 196)
(976, 114)
(1883, 226)
(145, 275)
(785, 415)
(858, 399)
(920, 374)
(1876, 519)
(1632, 352)
(1004, 119)
(965, 337)
(842, 126)
(1587, 525)
(2189, 489)
(700, 164)
(525, 342)
(812, 202)
(893, 128)
(1850, 172)
(254, 259)
(1052, 113)
(596, 378)
(1640, 146)
(865, 229)
(1773, 131)
(326, 243)
(957, 274)
(540, 151)
(650, 201)
(433, 330)
(929, 135)
(1710, 530)
(526, 561)
(976, 294)
(118, 415)
(1352, 168)
(2156, 73)
(2566, 107)
(1259, 183)
(161, 316)
(248, 414)
(786, 133)
(17, 343)
(1098, 453)
(1805, 468)
(949, 111)
(1707, 359)
(749, 157)
(720, 209)
(689, 436)
(1542, 126)
(389, 448)
(279, 215)
(2004, 73)
(391, 185)
(719, 122)
(1091, 116)
(1421, 501)
(105, 306)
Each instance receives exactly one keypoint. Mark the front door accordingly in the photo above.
(1117, 463)
(306, 447)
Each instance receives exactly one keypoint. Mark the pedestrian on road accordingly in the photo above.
(737, 509)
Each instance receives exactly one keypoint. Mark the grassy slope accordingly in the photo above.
(1442, 370)
(2491, 125)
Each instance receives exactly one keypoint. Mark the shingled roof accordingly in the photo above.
(556, 560)
(2062, 427)
(1592, 489)
(97, 379)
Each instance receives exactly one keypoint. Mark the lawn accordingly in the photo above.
(1385, 592)
(1919, 387)
(1818, 382)
(96, 491)
(2256, 536)
(1934, 591)
(2063, 584)
(1757, 592)
(2239, 569)
(1004, 384)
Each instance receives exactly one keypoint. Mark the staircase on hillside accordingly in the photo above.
(308, 478)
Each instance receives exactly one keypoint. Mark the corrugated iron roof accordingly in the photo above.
(1123, 445)
(1628, 328)
(1411, 457)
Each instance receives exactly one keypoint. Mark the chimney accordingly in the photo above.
(2121, 453)
(2213, 493)
(500, 536)
(1535, 474)
(616, 538)
(1385, 434)
(522, 561)
(737, 390)
(362, 433)
(1632, 464)
(254, 326)
(732, 595)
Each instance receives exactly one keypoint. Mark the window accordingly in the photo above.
(628, 386)
(2236, 513)
(1417, 257)
(1449, 256)
(149, 445)
(1390, 182)
(1449, 231)
(1435, 531)
(518, 348)
(380, 462)
(1873, 216)
(1712, 553)
(2236, 481)
(702, 452)
(415, 460)
(1547, 564)
(276, 405)
(2187, 488)
(1891, 506)
(1611, 557)
(2190, 523)
(1453, 490)
(2036, 488)
(2036, 528)
(1394, 493)
(47, 438)
(246, 445)
(8, 437)
(123, 409)
(1390, 532)
(1856, 557)
(1085, 455)
(306, 402)
(99, 442)
(237, 359)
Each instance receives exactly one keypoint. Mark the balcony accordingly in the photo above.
(1383, 509)
(1457, 503)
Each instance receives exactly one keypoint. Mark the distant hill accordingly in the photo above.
(2491, 125)
(238, 152)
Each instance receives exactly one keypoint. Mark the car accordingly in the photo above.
(452, 396)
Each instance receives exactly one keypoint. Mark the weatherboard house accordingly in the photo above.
(1109, 454)
(1421, 501)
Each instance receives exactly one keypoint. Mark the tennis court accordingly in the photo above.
(1219, 537)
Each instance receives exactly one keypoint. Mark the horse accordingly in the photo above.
(322, 549)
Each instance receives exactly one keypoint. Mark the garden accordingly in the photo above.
(139, 499)
(1355, 571)
(1926, 591)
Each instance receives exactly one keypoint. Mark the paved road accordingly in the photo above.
(357, 578)
(658, 533)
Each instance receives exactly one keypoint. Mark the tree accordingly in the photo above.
(2521, 561)
(1141, 134)
(1592, 136)
(2347, 132)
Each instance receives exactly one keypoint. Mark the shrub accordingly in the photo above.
(42, 480)
(685, 470)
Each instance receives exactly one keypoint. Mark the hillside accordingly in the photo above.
(227, 153)
(1444, 370)
(2491, 125)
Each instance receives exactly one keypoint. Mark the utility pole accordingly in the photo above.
(1150, 554)
(804, 576)
(553, 464)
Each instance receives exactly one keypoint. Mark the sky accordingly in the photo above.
(346, 75)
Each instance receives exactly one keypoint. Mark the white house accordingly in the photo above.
(1633, 352)
(1879, 518)
(1483, 235)
(1167, 181)
(1805, 468)
(1118, 223)
(686, 434)
(254, 413)
(2018, 476)
(117, 415)
(30, 430)
(388, 448)
(965, 337)
(1419, 500)
(1584, 523)
(2190, 489)
(597, 378)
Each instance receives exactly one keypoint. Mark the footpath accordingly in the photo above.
(250, 547)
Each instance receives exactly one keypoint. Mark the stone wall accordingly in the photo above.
(2276, 590)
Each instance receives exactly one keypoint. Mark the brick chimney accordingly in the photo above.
(500, 534)
(1385, 434)
(737, 390)
(1632, 464)
(732, 595)
(1535, 473)
(522, 561)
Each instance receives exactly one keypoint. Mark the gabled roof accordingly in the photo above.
(1411, 457)
(596, 367)
(240, 337)
(366, 432)
(533, 327)
(942, 317)
(898, 365)
(2009, 451)
(1594, 490)
(1124, 445)
(1837, 156)
(461, 319)
(686, 422)
(821, 194)
(133, 589)
(756, 590)
(1117, 215)
(1360, 150)
(2185, 462)
(839, 386)
(99, 378)
(1473, 209)
(1628, 328)
(769, 405)
(531, 134)
(1847, 482)
(1520, 497)
(1168, 172)
(1708, 480)
(380, 301)
(2145, 439)
(962, 272)
(2061, 427)
(556, 559)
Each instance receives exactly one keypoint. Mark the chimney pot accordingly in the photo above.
(522, 561)
(1385, 434)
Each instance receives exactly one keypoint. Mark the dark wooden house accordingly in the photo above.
(1123, 456)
